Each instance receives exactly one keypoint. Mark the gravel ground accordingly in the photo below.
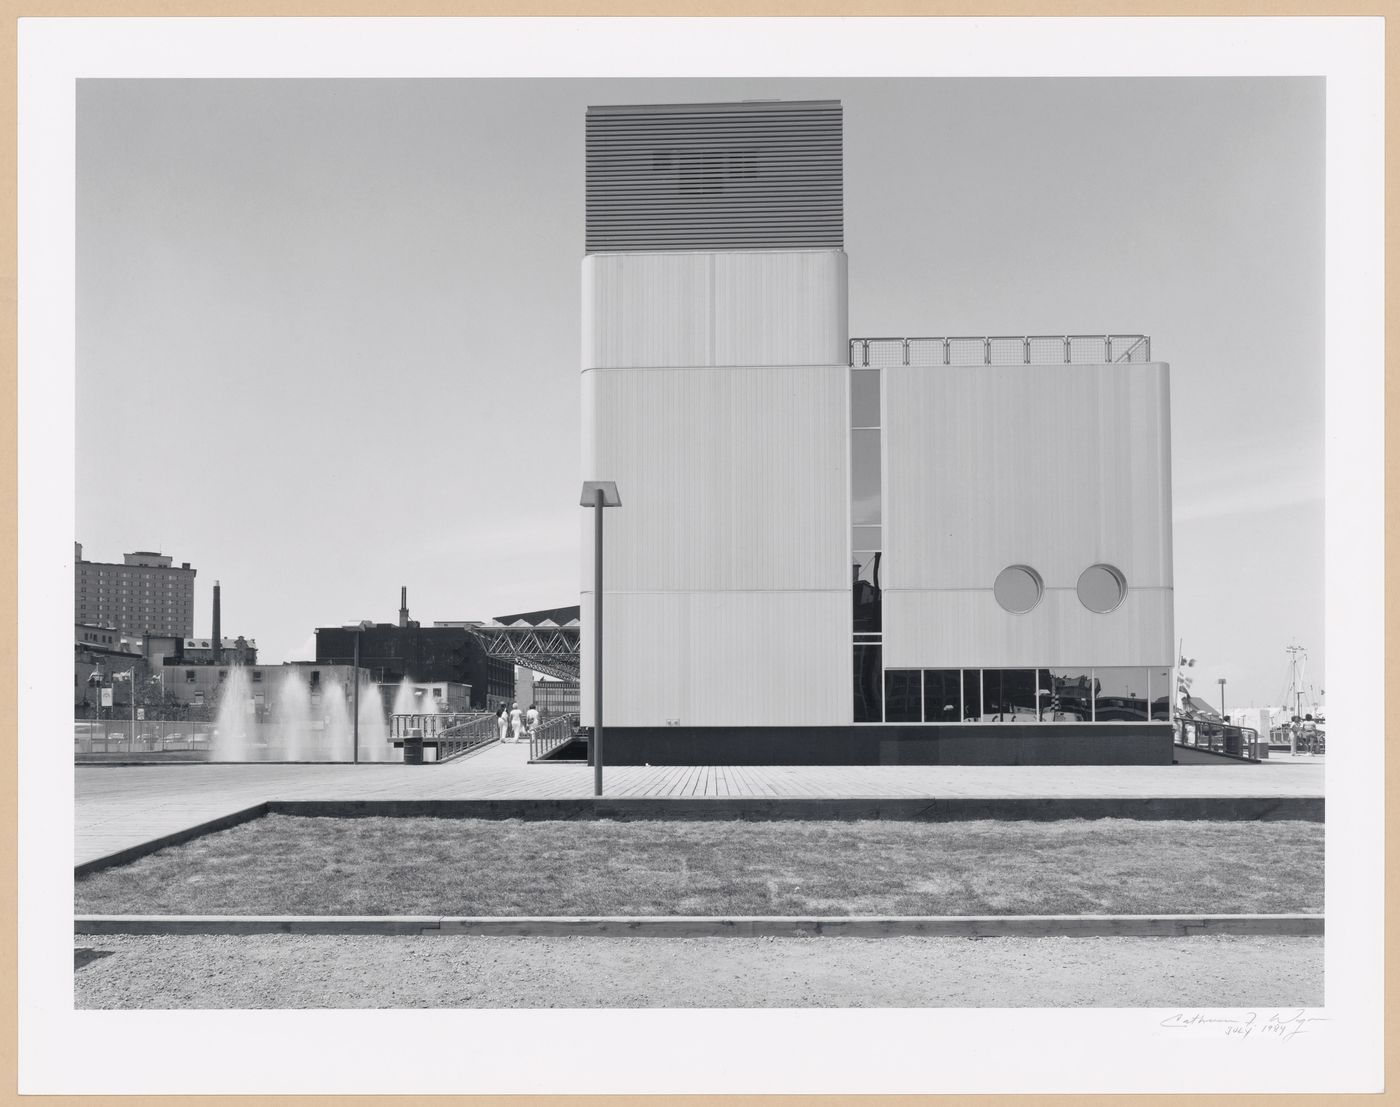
(299, 971)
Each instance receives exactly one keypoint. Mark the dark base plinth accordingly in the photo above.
(972, 744)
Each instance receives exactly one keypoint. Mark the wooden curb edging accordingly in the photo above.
(764, 808)
(700, 926)
(179, 837)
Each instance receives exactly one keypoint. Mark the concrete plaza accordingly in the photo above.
(122, 807)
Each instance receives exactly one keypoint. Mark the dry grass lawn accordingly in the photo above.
(285, 865)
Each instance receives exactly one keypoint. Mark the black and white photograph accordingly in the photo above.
(842, 540)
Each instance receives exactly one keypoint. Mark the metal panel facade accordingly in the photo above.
(1054, 467)
(731, 479)
(722, 658)
(751, 175)
(781, 307)
(725, 567)
(957, 628)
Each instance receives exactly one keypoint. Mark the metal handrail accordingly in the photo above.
(1222, 738)
(431, 725)
(466, 736)
(550, 735)
(1009, 349)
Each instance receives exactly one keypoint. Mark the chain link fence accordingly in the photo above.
(145, 736)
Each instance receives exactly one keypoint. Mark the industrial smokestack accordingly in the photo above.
(403, 606)
(215, 640)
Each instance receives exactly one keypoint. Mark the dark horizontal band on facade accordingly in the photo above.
(593, 246)
(767, 138)
(774, 190)
(597, 115)
(688, 213)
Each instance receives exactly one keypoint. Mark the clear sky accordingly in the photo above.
(328, 331)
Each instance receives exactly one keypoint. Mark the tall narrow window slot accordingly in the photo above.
(866, 546)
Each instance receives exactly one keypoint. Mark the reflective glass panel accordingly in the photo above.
(865, 594)
(902, 696)
(865, 476)
(1120, 695)
(1071, 696)
(867, 684)
(865, 397)
(1009, 695)
(942, 696)
(866, 538)
(1161, 690)
(972, 695)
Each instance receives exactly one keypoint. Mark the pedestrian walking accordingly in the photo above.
(532, 720)
(501, 722)
(515, 722)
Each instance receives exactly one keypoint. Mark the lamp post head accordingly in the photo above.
(591, 488)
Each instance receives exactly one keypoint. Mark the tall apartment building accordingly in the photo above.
(145, 594)
(837, 550)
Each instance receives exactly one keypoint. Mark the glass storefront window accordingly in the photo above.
(972, 695)
(1071, 696)
(1009, 696)
(867, 684)
(1120, 694)
(903, 696)
(942, 696)
(1161, 690)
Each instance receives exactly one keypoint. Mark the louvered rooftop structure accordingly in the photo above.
(754, 175)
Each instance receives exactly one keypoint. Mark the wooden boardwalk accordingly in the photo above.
(119, 807)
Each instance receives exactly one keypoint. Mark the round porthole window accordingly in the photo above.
(1101, 588)
(1018, 588)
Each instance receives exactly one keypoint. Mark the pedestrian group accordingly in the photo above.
(512, 724)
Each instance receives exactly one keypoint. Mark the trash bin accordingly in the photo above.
(413, 747)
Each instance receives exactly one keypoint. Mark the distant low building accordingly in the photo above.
(423, 655)
(104, 658)
(231, 651)
(556, 697)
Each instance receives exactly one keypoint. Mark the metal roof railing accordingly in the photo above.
(1035, 349)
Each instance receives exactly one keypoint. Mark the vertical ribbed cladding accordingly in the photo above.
(753, 175)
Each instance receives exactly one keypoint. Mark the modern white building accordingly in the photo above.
(837, 550)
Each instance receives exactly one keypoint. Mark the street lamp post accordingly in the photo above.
(364, 624)
(598, 494)
(1221, 681)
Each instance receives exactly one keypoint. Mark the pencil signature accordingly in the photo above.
(1275, 1025)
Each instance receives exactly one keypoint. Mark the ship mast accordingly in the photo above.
(1295, 689)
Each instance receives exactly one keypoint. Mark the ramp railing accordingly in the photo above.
(550, 735)
(1222, 738)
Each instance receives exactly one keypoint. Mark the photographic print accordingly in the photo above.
(691, 546)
